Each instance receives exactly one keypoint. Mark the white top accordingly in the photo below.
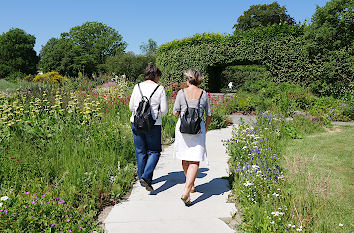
(159, 98)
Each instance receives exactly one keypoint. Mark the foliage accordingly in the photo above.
(282, 49)
(129, 64)
(52, 143)
(84, 48)
(17, 53)
(285, 99)
(259, 182)
(59, 55)
(332, 27)
(322, 183)
(149, 48)
(263, 15)
(50, 77)
(240, 74)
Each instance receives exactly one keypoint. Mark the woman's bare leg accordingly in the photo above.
(185, 165)
(192, 172)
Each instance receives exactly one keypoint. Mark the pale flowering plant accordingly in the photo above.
(258, 176)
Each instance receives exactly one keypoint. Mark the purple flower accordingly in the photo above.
(5, 211)
(27, 193)
(52, 225)
(82, 218)
(68, 220)
(43, 195)
(287, 229)
(70, 231)
(33, 202)
(80, 227)
(1, 210)
(25, 206)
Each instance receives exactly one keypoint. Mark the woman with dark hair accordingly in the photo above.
(190, 148)
(148, 142)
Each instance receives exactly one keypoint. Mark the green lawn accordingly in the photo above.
(320, 172)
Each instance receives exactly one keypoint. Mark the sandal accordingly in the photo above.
(187, 201)
(193, 190)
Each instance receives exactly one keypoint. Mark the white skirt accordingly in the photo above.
(190, 147)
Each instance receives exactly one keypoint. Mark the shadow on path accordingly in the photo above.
(174, 178)
(215, 187)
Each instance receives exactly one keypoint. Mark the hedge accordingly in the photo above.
(280, 48)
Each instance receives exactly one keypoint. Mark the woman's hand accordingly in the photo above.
(176, 114)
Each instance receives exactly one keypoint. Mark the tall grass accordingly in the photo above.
(63, 151)
(320, 171)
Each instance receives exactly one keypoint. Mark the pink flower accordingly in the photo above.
(43, 195)
(27, 193)
(68, 220)
(52, 225)
(70, 231)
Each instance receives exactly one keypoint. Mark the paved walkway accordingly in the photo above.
(163, 211)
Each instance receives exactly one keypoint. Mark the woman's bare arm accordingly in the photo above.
(207, 122)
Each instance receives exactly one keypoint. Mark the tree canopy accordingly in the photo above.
(17, 53)
(263, 15)
(84, 48)
(129, 64)
(149, 48)
(332, 27)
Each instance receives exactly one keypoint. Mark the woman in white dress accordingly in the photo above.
(190, 148)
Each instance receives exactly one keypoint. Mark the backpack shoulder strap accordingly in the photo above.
(199, 101)
(184, 94)
(140, 90)
(154, 91)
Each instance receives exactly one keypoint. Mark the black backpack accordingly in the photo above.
(190, 120)
(143, 119)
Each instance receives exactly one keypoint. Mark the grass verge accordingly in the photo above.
(319, 170)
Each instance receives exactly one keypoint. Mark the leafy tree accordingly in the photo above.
(149, 48)
(129, 64)
(332, 27)
(58, 55)
(16, 53)
(84, 48)
(263, 15)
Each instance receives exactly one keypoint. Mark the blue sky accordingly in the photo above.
(136, 20)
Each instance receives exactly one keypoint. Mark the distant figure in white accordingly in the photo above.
(230, 85)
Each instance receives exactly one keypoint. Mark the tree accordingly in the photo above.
(17, 53)
(149, 48)
(84, 48)
(58, 55)
(332, 27)
(129, 64)
(263, 15)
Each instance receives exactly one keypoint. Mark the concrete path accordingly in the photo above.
(163, 211)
